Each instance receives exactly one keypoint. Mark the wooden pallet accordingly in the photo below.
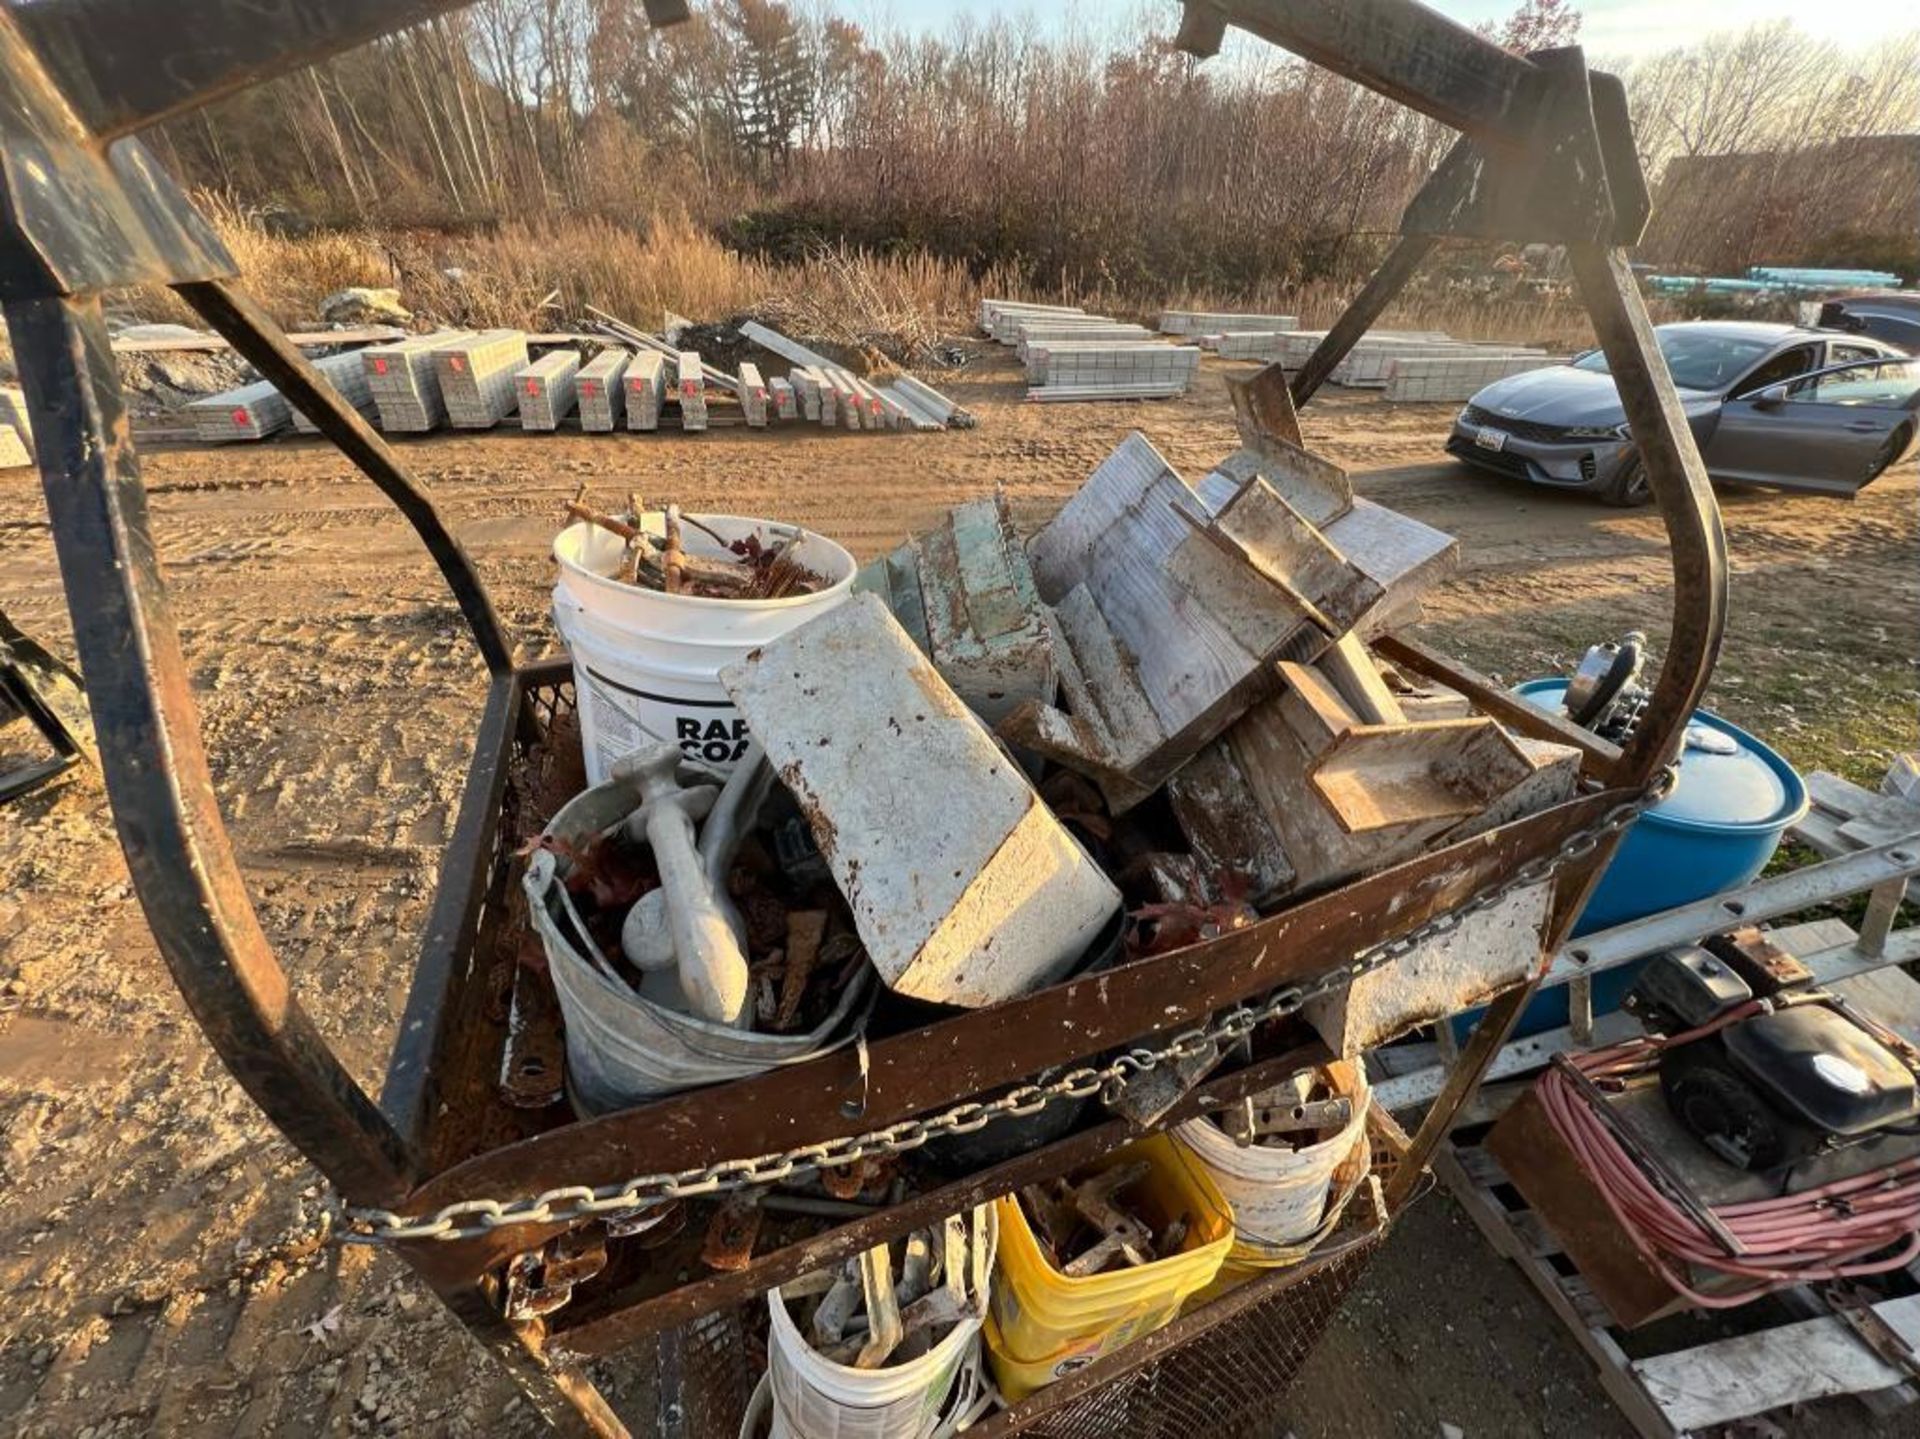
(1789, 1350)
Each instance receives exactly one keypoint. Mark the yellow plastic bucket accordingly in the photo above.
(1043, 1325)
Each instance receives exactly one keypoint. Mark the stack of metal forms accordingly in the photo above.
(1211, 322)
(646, 377)
(690, 386)
(476, 376)
(1072, 355)
(1114, 370)
(405, 387)
(1001, 318)
(601, 388)
(546, 390)
(347, 375)
(251, 412)
(816, 389)
(1414, 365)
(1456, 378)
(476, 379)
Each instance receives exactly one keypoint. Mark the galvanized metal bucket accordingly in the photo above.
(623, 1049)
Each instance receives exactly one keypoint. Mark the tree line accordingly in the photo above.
(1076, 159)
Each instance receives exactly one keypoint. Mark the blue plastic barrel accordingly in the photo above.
(1715, 832)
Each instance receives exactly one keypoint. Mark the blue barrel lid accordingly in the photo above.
(1729, 780)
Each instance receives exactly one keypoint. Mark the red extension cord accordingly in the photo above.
(1822, 1233)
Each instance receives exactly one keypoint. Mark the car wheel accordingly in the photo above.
(1893, 449)
(1629, 488)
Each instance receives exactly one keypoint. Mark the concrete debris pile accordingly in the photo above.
(1422, 365)
(1072, 355)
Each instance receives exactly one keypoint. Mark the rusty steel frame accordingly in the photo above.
(1546, 154)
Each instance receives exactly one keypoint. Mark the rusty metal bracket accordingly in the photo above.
(37, 684)
(540, 1282)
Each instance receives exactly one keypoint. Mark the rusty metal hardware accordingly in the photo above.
(1249, 1122)
(1852, 1303)
(540, 1282)
(468, 1218)
(41, 687)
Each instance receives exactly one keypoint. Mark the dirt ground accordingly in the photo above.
(158, 1252)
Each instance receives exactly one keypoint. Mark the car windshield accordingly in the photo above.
(1698, 361)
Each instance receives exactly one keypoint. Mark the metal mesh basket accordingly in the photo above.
(1218, 1371)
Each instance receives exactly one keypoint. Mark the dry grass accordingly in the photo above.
(289, 274)
(891, 307)
(542, 276)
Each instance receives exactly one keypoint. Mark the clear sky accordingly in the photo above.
(1612, 27)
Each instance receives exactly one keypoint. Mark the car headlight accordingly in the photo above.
(1597, 432)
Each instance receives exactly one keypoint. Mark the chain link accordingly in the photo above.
(469, 1218)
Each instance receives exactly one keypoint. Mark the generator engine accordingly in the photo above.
(1765, 1083)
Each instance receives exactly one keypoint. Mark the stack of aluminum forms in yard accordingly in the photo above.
(1249, 344)
(1012, 329)
(1368, 365)
(646, 379)
(1046, 331)
(602, 390)
(690, 389)
(786, 400)
(753, 395)
(995, 313)
(1074, 371)
(546, 389)
(926, 403)
(1456, 377)
(476, 376)
(1209, 322)
(347, 374)
(404, 384)
(251, 412)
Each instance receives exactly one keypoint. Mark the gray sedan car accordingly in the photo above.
(1768, 404)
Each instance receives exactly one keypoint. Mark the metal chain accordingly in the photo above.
(469, 1218)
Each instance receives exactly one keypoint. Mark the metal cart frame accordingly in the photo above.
(1546, 154)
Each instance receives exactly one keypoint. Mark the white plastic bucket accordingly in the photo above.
(1279, 1195)
(623, 1049)
(646, 664)
(815, 1398)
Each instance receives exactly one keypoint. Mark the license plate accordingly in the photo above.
(1490, 439)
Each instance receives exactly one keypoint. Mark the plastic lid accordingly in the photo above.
(1727, 777)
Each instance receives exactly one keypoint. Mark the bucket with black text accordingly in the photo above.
(646, 664)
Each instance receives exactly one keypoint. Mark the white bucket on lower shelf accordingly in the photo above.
(646, 664)
(923, 1398)
(1279, 1195)
(622, 1048)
